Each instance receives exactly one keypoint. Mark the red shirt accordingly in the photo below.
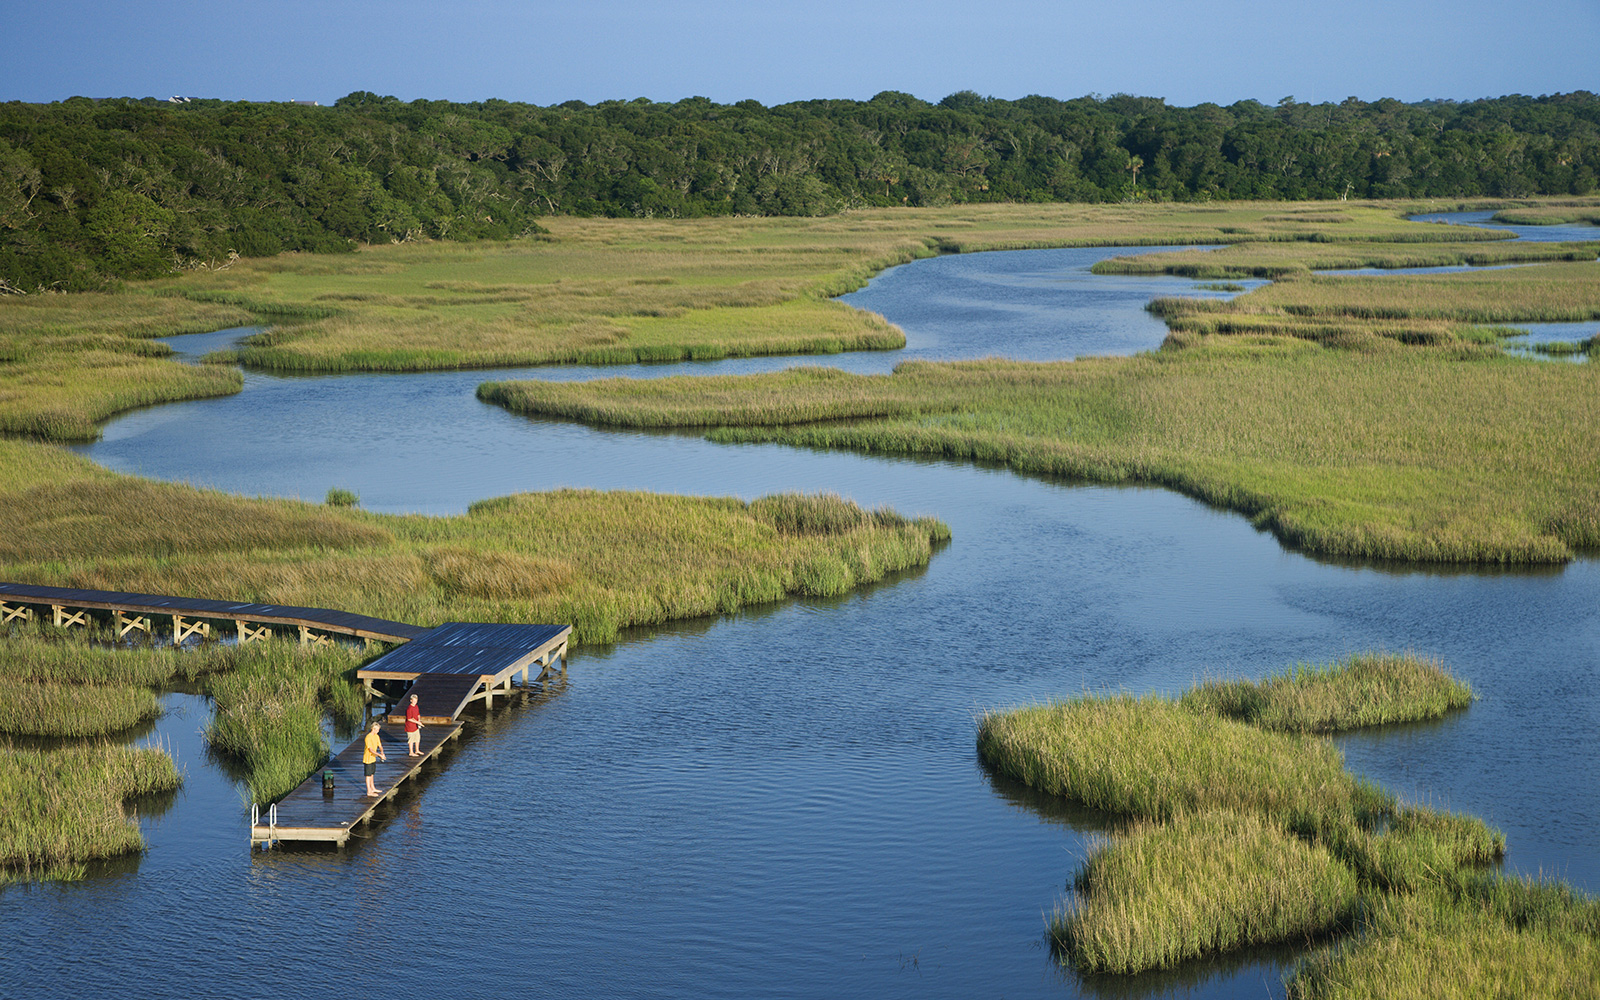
(413, 716)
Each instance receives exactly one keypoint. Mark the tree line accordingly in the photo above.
(96, 190)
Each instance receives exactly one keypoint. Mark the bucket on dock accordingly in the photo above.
(327, 779)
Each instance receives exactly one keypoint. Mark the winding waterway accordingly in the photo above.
(787, 802)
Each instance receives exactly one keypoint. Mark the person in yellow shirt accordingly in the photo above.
(371, 753)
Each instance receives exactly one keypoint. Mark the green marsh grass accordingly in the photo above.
(67, 362)
(43, 653)
(1412, 847)
(1242, 835)
(1435, 945)
(1282, 260)
(73, 710)
(1544, 293)
(600, 561)
(1423, 454)
(595, 291)
(67, 807)
(270, 707)
(1367, 689)
(1149, 758)
(1548, 215)
(1162, 894)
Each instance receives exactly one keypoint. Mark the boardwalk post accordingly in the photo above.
(126, 624)
(65, 617)
(19, 613)
(181, 629)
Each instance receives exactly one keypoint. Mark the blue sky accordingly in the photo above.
(776, 51)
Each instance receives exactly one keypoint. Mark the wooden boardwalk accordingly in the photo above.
(470, 659)
(312, 813)
(15, 598)
(447, 668)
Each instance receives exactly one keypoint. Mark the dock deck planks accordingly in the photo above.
(307, 814)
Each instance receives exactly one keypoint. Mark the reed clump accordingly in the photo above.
(1158, 895)
(1282, 260)
(68, 807)
(1464, 943)
(1548, 215)
(270, 707)
(40, 653)
(1242, 834)
(1367, 689)
(600, 561)
(1149, 758)
(70, 710)
(71, 361)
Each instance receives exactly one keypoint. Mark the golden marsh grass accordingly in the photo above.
(66, 807)
(1162, 894)
(601, 561)
(1487, 459)
(1364, 690)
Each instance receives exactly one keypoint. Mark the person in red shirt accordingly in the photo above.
(413, 729)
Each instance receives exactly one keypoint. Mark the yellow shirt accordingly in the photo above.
(369, 752)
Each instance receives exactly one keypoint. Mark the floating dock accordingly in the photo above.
(447, 668)
(315, 813)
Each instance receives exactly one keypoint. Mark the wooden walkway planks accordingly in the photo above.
(344, 622)
(308, 814)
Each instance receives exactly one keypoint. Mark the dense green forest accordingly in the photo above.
(95, 190)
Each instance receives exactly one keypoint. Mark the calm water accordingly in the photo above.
(1540, 234)
(787, 802)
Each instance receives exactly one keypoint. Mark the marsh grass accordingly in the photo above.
(595, 291)
(270, 707)
(1438, 944)
(1149, 758)
(1242, 835)
(1162, 894)
(600, 561)
(40, 653)
(65, 808)
(1364, 690)
(1548, 215)
(1451, 453)
(1282, 260)
(67, 362)
(1546, 293)
(71, 710)
(270, 698)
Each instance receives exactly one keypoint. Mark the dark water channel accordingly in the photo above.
(787, 802)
